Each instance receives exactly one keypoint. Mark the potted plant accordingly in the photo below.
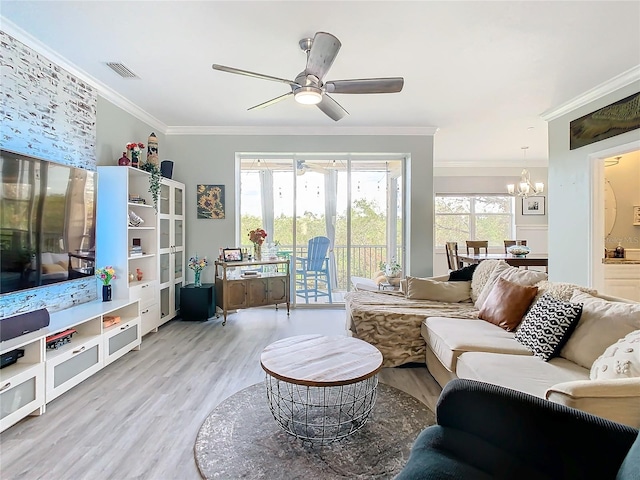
(391, 269)
(154, 181)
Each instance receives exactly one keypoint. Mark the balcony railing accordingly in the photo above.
(365, 260)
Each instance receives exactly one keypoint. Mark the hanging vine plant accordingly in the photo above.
(154, 181)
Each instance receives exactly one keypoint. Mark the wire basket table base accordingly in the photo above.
(321, 415)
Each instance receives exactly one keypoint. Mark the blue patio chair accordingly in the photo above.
(312, 271)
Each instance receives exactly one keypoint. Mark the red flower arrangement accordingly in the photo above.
(134, 145)
(257, 236)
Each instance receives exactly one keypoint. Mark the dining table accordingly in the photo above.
(529, 260)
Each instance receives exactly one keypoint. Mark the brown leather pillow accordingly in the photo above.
(507, 303)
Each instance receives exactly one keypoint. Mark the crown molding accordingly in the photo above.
(470, 164)
(256, 130)
(610, 86)
(109, 94)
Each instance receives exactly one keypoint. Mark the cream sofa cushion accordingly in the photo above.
(515, 275)
(620, 360)
(429, 289)
(520, 372)
(561, 291)
(450, 337)
(602, 323)
(481, 275)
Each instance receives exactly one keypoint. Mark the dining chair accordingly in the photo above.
(477, 246)
(312, 272)
(511, 243)
(452, 256)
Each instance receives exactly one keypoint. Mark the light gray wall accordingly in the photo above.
(115, 128)
(570, 192)
(210, 159)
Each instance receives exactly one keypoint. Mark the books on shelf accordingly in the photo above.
(137, 199)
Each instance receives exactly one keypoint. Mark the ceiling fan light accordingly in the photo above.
(308, 95)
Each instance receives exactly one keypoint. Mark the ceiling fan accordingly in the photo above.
(308, 87)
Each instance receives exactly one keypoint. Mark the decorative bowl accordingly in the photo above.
(518, 250)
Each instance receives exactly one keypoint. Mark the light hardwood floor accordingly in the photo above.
(139, 417)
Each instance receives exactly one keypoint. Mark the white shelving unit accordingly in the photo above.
(43, 374)
(117, 186)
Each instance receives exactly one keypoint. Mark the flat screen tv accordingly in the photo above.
(47, 222)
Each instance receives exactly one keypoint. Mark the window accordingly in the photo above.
(474, 217)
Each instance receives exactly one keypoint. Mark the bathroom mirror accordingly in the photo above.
(610, 208)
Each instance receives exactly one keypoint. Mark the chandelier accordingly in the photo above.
(525, 188)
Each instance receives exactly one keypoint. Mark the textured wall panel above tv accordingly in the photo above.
(46, 111)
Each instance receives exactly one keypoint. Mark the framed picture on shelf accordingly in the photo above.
(232, 254)
(533, 205)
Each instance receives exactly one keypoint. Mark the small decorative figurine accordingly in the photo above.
(134, 219)
(152, 150)
(124, 160)
(138, 274)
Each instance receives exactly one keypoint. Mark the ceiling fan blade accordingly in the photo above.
(366, 85)
(332, 108)
(272, 101)
(322, 54)
(247, 73)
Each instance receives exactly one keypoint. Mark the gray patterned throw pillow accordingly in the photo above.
(548, 325)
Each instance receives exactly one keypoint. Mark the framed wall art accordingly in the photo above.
(210, 201)
(533, 205)
(619, 117)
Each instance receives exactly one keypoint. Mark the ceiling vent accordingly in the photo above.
(121, 70)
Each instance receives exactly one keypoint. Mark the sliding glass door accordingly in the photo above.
(354, 201)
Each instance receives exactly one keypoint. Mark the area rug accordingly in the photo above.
(240, 439)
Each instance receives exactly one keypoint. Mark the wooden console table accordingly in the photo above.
(236, 288)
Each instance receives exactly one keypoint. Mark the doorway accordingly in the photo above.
(612, 222)
(354, 200)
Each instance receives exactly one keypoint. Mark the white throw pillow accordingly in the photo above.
(519, 276)
(602, 323)
(429, 289)
(620, 360)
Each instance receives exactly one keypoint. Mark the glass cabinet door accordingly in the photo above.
(178, 240)
(165, 233)
(165, 269)
(177, 201)
(164, 204)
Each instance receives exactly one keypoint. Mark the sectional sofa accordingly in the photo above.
(585, 367)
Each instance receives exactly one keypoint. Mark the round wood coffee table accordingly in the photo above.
(321, 389)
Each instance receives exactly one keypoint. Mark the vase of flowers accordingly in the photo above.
(257, 237)
(197, 265)
(106, 274)
(133, 150)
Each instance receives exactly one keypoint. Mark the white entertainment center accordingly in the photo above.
(43, 374)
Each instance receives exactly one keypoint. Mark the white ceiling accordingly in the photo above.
(482, 72)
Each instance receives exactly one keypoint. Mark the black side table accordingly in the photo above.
(197, 303)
